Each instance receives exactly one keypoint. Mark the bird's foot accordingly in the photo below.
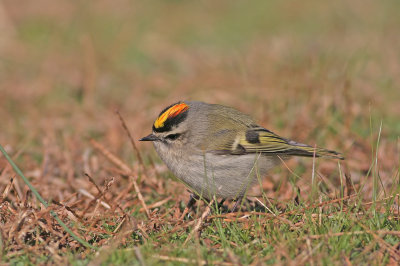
(237, 204)
(192, 200)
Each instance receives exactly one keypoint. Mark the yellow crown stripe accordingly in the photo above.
(171, 112)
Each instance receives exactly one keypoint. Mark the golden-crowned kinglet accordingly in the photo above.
(219, 151)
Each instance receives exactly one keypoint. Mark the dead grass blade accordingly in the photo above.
(393, 252)
(320, 205)
(7, 190)
(139, 256)
(188, 261)
(157, 204)
(85, 193)
(139, 156)
(66, 228)
(200, 221)
(140, 196)
(382, 242)
(114, 159)
(111, 157)
(380, 232)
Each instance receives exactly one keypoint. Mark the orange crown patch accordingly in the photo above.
(170, 113)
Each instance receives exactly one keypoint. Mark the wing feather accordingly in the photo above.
(270, 143)
(237, 134)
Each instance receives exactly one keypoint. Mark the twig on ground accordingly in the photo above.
(381, 232)
(7, 190)
(308, 254)
(301, 211)
(139, 256)
(85, 193)
(188, 261)
(111, 157)
(200, 222)
(119, 225)
(114, 159)
(45, 204)
(157, 204)
(93, 182)
(394, 253)
(319, 205)
(68, 209)
(139, 156)
(140, 196)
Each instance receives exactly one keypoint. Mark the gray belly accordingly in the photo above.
(225, 176)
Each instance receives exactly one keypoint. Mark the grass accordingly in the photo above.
(324, 74)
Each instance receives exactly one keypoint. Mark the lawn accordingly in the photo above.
(321, 73)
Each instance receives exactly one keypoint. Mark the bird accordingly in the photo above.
(218, 151)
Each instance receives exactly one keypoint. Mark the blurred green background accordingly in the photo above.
(305, 69)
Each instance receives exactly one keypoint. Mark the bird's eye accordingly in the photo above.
(173, 136)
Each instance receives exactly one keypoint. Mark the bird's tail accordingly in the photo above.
(300, 149)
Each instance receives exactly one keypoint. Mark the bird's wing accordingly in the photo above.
(261, 140)
(264, 141)
(237, 134)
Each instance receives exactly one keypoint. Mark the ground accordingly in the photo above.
(322, 73)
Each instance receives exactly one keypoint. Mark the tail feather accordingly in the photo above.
(300, 149)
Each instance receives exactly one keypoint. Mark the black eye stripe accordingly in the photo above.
(173, 136)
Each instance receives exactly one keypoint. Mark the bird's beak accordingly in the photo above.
(150, 137)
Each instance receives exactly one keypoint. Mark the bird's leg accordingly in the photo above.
(296, 199)
(221, 203)
(192, 200)
(237, 203)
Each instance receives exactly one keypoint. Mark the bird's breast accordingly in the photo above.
(225, 176)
